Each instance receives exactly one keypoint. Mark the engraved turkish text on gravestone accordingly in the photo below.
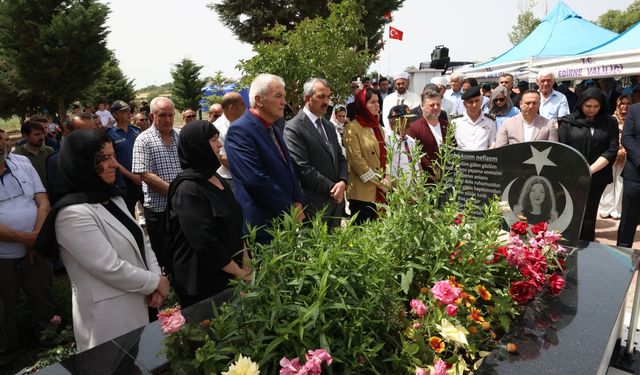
(542, 181)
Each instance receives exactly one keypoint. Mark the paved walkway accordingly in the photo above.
(607, 231)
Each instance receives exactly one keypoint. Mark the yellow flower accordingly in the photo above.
(483, 293)
(436, 344)
(243, 366)
(449, 332)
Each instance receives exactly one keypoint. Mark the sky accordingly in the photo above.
(150, 36)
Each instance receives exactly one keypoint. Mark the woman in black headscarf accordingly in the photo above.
(593, 133)
(114, 277)
(205, 221)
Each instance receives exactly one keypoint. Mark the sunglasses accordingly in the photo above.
(499, 100)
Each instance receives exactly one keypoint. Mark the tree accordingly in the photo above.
(111, 85)
(619, 21)
(57, 48)
(187, 85)
(15, 98)
(249, 19)
(218, 80)
(525, 23)
(303, 52)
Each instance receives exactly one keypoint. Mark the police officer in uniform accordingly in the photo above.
(474, 131)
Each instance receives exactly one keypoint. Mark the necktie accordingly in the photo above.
(321, 130)
(275, 140)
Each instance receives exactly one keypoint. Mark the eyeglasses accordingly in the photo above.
(142, 119)
(499, 100)
(5, 190)
(190, 116)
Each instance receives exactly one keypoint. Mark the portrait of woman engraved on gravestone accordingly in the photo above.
(537, 202)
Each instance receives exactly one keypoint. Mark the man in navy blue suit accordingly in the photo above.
(631, 178)
(265, 181)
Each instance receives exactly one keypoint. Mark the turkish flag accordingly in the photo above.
(388, 16)
(395, 33)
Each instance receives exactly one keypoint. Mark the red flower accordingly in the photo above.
(499, 254)
(556, 284)
(458, 220)
(523, 291)
(533, 274)
(519, 228)
(540, 227)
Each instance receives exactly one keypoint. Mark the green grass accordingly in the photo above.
(10, 124)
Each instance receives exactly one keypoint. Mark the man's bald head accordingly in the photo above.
(215, 111)
(233, 106)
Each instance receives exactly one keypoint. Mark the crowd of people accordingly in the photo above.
(205, 186)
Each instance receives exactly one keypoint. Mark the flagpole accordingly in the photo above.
(389, 53)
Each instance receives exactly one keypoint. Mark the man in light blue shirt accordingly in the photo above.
(553, 104)
(23, 208)
(454, 94)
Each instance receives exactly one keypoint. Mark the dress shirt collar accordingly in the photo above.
(262, 120)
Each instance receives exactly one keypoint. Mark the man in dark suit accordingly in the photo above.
(631, 175)
(316, 152)
(265, 181)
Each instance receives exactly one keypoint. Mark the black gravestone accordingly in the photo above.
(542, 180)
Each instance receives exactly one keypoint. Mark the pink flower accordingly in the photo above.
(444, 292)
(56, 320)
(418, 307)
(420, 371)
(551, 237)
(171, 320)
(452, 310)
(312, 367)
(289, 367)
(416, 325)
(319, 356)
(439, 368)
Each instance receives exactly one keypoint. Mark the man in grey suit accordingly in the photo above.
(527, 125)
(315, 150)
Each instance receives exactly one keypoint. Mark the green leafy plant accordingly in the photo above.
(356, 291)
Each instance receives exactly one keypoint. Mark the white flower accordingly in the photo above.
(243, 366)
(449, 332)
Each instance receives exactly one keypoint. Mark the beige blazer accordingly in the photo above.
(109, 280)
(512, 130)
(363, 155)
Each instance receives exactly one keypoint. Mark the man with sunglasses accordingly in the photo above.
(141, 121)
(188, 115)
(23, 208)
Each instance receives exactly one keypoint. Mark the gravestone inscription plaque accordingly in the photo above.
(542, 181)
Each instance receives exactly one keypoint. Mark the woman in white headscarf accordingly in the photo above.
(339, 120)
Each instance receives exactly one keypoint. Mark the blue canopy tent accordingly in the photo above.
(618, 56)
(561, 32)
(209, 90)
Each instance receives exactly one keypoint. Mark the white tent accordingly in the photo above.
(561, 32)
(619, 56)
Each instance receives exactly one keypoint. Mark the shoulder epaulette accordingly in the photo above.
(491, 116)
(453, 117)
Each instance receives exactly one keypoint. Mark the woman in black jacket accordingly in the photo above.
(205, 221)
(593, 133)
